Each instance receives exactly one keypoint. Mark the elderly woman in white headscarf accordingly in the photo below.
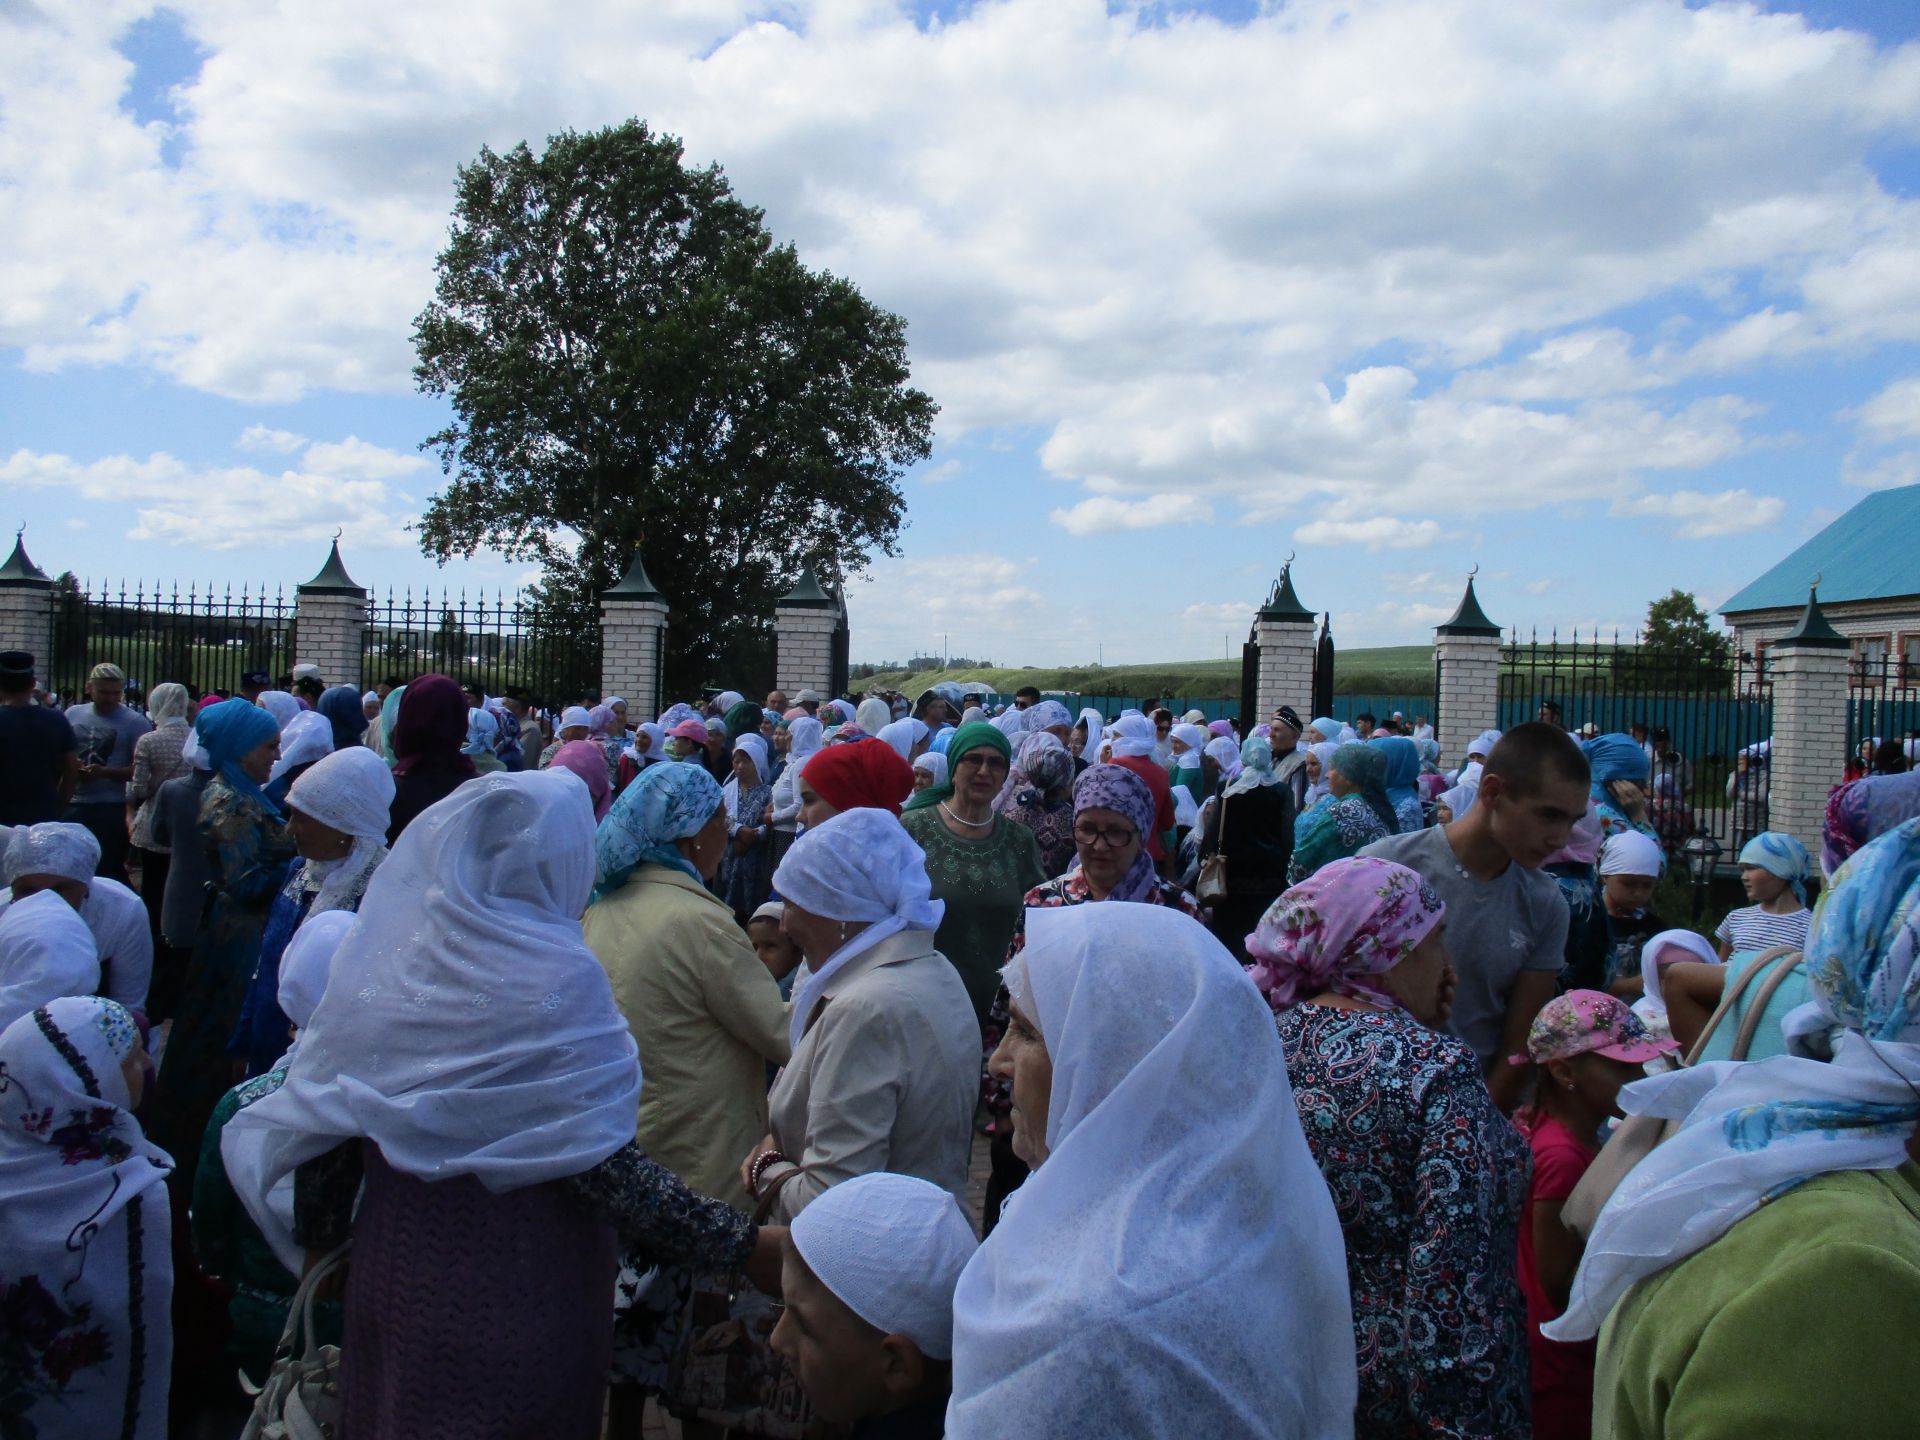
(929, 770)
(746, 876)
(1173, 1266)
(886, 1051)
(467, 1061)
(85, 1261)
(62, 856)
(1782, 1220)
(338, 813)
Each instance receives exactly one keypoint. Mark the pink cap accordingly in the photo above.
(1583, 1021)
(690, 730)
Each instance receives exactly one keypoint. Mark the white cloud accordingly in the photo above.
(265, 437)
(235, 507)
(1704, 516)
(1893, 413)
(1213, 615)
(977, 604)
(1379, 532)
(1100, 514)
(937, 474)
(1884, 472)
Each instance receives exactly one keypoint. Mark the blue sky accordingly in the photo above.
(1604, 296)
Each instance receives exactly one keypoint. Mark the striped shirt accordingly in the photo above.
(1751, 929)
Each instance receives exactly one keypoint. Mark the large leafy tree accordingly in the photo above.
(1680, 639)
(633, 362)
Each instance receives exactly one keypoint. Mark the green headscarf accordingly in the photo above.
(967, 737)
(742, 719)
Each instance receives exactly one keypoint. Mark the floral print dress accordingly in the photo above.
(1337, 826)
(1429, 1180)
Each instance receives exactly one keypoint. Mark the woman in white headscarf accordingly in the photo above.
(85, 1262)
(929, 770)
(746, 876)
(158, 756)
(803, 742)
(1084, 743)
(907, 737)
(304, 740)
(886, 1051)
(46, 951)
(337, 812)
(1173, 1266)
(62, 855)
(1782, 1220)
(468, 1060)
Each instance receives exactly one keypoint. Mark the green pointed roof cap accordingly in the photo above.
(333, 578)
(1468, 618)
(1283, 603)
(20, 569)
(809, 594)
(636, 584)
(1813, 632)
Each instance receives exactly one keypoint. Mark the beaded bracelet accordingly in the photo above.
(763, 1162)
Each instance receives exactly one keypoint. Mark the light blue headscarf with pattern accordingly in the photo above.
(1778, 853)
(664, 804)
(1754, 1130)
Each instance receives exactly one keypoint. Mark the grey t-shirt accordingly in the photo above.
(1495, 929)
(104, 740)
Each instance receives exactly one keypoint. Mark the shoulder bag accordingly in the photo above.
(301, 1397)
(1212, 888)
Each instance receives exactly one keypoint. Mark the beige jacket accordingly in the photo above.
(707, 1018)
(885, 1079)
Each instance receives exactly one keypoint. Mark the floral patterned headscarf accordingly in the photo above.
(1116, 788)
(666, 803)
(1349, 921)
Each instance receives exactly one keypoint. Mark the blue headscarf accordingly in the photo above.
(229, 730)
(666, 803)
(1614, 757)
(1403, 766)
(1366, 768)
(341, 705)
(1778, 853)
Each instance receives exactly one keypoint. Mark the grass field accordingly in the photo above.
(1400, 668)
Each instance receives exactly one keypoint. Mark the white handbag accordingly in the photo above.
(301, 1397)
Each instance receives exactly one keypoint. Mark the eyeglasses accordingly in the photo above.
(1114, 837)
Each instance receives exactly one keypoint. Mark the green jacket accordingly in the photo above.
(1799, 1321)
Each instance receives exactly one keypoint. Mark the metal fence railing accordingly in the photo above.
(205, 637)
(502, 645)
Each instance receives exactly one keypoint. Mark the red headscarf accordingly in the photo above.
(864, 775)
(431, 726)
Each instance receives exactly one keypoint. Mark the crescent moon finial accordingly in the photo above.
(1818, 576)
(20, 530)
(338, 533)
(1289, 559)
(1474, 571)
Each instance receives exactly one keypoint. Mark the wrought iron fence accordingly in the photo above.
(1707, 715)
(501, 645)
(1883, 701)
(205, 638)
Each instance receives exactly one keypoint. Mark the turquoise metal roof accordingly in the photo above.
(1870, 553)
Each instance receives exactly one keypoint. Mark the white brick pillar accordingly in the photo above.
(1467, 654)
(633, 641)
(330, 622)
(1286, 665)
(1808, 669)
(26, 610)
(804, 620)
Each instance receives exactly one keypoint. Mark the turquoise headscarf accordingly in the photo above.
(1403, 767)
(229, 730)
(390, 717)
(1778, 853)
(666, 803)
(967, 737)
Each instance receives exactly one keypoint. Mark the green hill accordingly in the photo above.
(1399, 669)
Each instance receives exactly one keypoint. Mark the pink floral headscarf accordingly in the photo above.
(1351, 920)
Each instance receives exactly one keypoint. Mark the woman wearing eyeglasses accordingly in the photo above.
(1113, 812)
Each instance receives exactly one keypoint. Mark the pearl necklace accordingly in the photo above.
(961, 820)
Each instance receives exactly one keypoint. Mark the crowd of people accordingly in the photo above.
(558, 1064)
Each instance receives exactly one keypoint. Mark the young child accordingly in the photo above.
(867, 1279)
(1630, 868)
(776, 951)
(1584, 1046)
(1773, 870)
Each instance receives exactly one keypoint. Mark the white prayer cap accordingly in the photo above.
(351, 790)
(1132, 736)
(56, 847)
(309, 955)
(574, 715)
(891, 1248)
(1194, 717)
(1483, 743)
(1632, 853)
(300, 672)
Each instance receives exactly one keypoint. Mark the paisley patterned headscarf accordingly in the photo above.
(1348, 922)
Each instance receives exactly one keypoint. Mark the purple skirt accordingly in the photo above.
(475, 1316)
